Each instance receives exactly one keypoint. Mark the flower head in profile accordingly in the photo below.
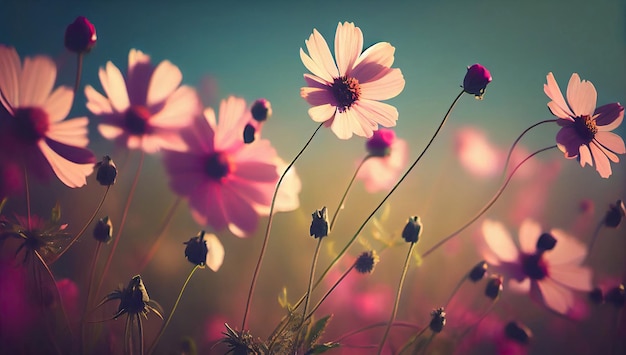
(476, 80)
(227, 182)
(80, 35)
(345, 93)
(585, 130)
(34, 129)
(547, 264)
(147, 108)
(389, 158)
(205, 250)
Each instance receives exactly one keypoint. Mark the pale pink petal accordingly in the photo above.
(572, 276)
(499, 241)
(529, 233)
(179, 111)
(256, 171)
(138, 76)
(256, 192)
(59, 103)
(520, 286)
(373, 62)
(287, 198)
(242, 218)
(609, 116)
(341, 125)
(207, 204)
(317, 97)
(215, 256)
(567, 250)
(185, 171)
(611, 141)
(165, 79)
(37, 80)
(316, 82)
(348, 46)
(71, 132)
(555, 296)
(476, 153)
(230, 122)
(609, 154)
(315, 68)
(585, 155)
(115, 88)
(320, 53)
(109, 131)
(10, 69)
(601, 161)
(322, 113)
(384, 87)
(581, 96)
(71, 174)
(96, 102)
(379, 112)
(559, 108)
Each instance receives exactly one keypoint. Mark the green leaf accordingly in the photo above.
(316, 330)
(322, 348)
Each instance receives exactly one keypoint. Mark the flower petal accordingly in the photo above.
(569, 141)
(109, 131)
(71, 174)
(71, 132)
(59, 103)
(567, 250)
(215, 256)
(138, 76)
(96, 102)
(322, 113)
(115, 87)
(603, 166)
(10, 69)
(320, 53)
(612, 142)
(241, 216)
(314, 68)
(179, 110)
(373, 61)
(348, 46)
(165, 79)
(581, 96)
(318, 96)
(558, 106)
(387, 85)
(529, 233)
(555, 296)
(499, 241)
(572, 276)
(585, 155)
(381, 113)
(609, 116)
(37, 80)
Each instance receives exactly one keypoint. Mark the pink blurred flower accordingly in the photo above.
(382, 172)
(547, 264)
(585, 132)
(476, 154)
(229, 183)
(345, 94)
(34, 129)
(146, 110)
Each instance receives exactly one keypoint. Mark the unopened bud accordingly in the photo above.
(478, 272)
(379, 145)
(261, 110)
(196, 250)
(518, 332)
(103, 231)
(438, 320)
(596, 296)
(546, 242)
(80, 35)
(494, 287)
(616, 296)
(249, 133)
(476, 80)
(319, 223)
(412, 230)
(106, 171)
(615, 214)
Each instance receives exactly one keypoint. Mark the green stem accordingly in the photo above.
(312, 273)
(412, 340)
(508, 156)
(267, 231)
(372, 326)
(169, 318)
(345, 194)
(330, 291)
(486, 207)
(397, 301)
(88, 302)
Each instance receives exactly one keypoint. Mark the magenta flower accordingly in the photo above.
(476, 80)
(32, 121)
(227, 182)
(381, 172)
(147, 109)
(547, 264)
(585, 132)
(80, 35)
(345, 94)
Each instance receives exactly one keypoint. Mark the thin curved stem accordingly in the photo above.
(268, 229)
(27, 190)
(84, 228)
(312, 273)
(330, 291)
(456, 289)
(79, 69)
(169, 318)
(486, 207)
(92, 276)
(397, 301)
(345, 194)
(161, 234)
(412, 340)
(375, 325)
(592, 242)
(508, 156)
(122, 222)
(56, 290)
(356, 234)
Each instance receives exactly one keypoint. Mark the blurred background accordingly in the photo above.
(250, 49)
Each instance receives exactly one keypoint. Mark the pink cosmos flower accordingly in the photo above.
(547, 264)
(345, 94)
(381, 172)
(147, 109)
(33, 127)
(585, 132)
(229, 183)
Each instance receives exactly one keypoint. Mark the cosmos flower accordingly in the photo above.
(547, 264)
(227, 182)
(381, 172)
(33, 127)
(145, 110)
(585, 132)
(346, 94)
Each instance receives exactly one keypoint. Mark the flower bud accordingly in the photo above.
(518, 332)
(616, 296)
(615, 214)
(196, 250)
(478, 272)
(106, 171)
(494, 286)
(261, 110)
(249, 133)
(476, 80)
(438, 320)
(319, 224)
(103, 231)
(546, 242)
(379, 145)
(80, 35)
(366, 261)
(596, 296)
(413, 229)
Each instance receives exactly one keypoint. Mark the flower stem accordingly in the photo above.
(508, 156)
(330, 291)
(592, 242)
(345, 194)
(412, 340)
(27, 190)
(161, 234)
(122, 222)
(375, 325)
(79, 69)
(268, 229)
(92, 276)
(456, 289)
(345, 249)
(169, 318)
(486, 207)
(312, 273)
(397, 302)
